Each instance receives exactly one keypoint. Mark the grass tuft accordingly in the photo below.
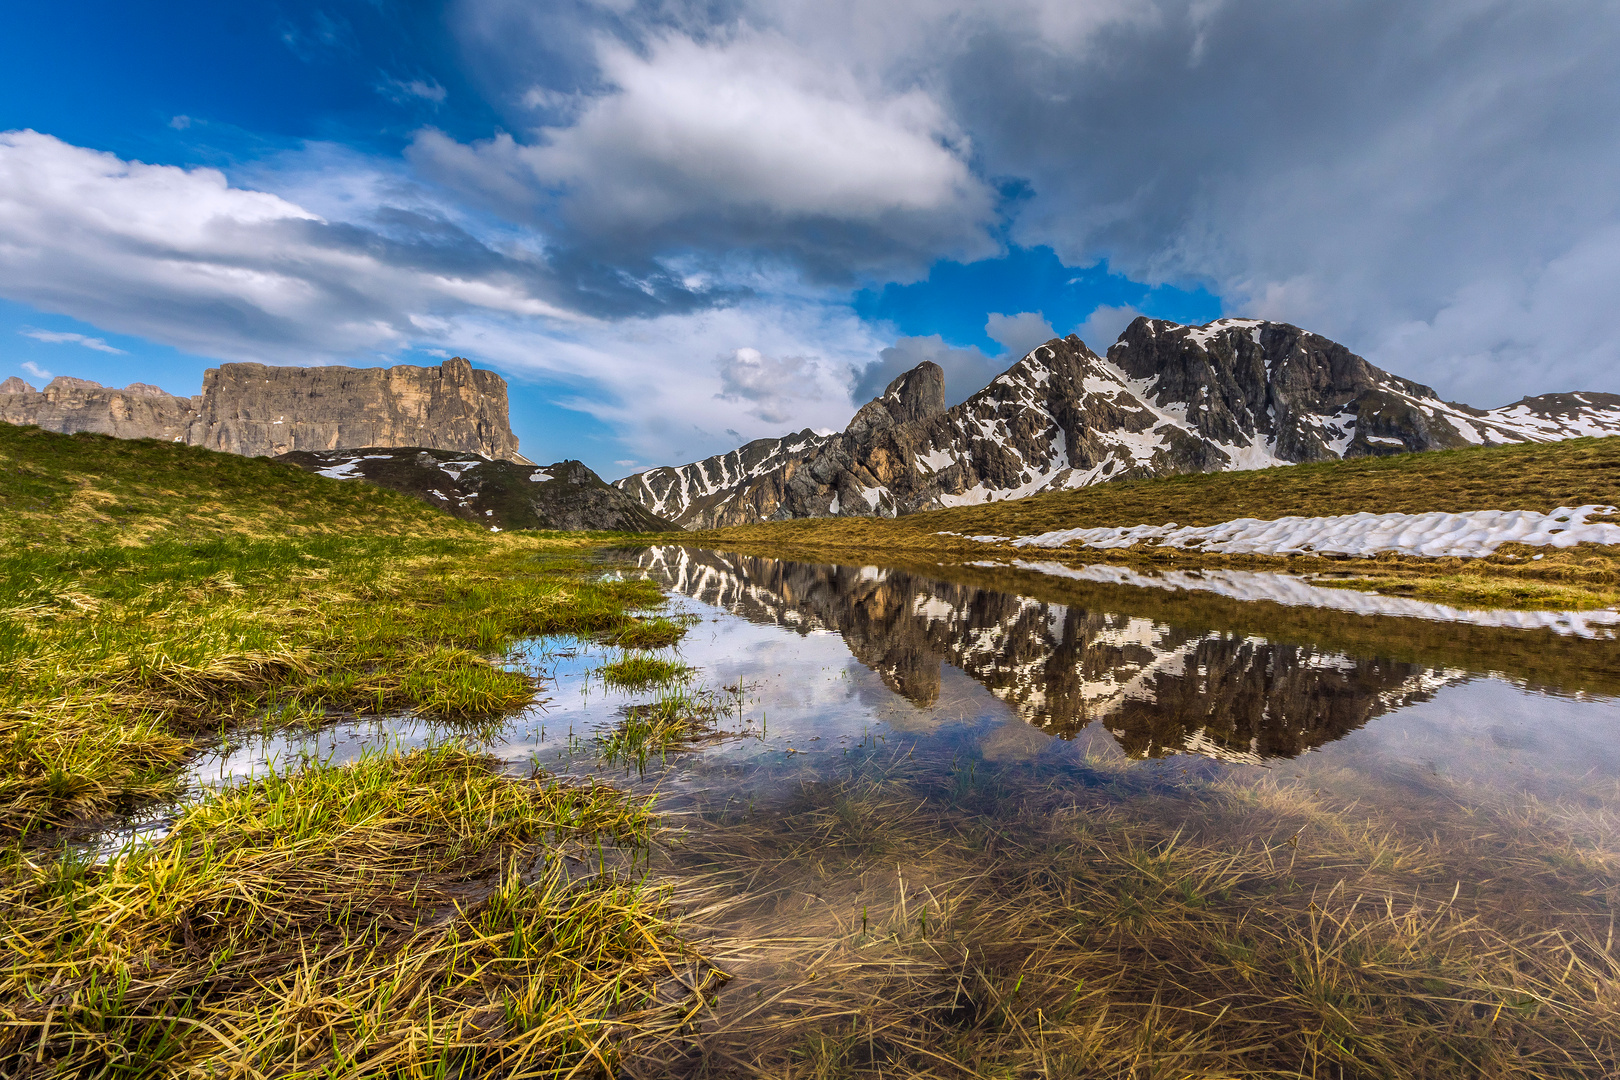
(638, 671)
(678, 718)
(413, 915)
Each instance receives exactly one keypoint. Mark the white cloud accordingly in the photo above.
(776, 388)
(405, 89)
(1017, 334)
(35, 370)
(681, 387)
(181, 257)
(1545, 330)
(741, 139)
(1104, 325)
(53, 337)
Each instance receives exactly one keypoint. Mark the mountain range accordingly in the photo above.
(1166, 399)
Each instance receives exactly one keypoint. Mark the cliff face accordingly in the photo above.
(255, 409)
(138, 411)
(1167, 399)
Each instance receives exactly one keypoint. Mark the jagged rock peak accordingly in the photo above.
(918, 394)
(14, 385)
(1167, 398)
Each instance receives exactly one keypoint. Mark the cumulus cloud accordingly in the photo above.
(1104, 325)
(672, 386)
(741, 140)
(183, 257)
(1358, 169)
(54, 337)
(1017, 334)
(774, 387)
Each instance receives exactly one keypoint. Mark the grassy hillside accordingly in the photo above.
(94, 489)
(1530, 477)
(154, 598)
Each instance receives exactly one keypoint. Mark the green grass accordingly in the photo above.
(678, 718)
(406, 915)
(230, 591)
(657, 632)
(638, 670)
(415, 916)
(1530, 477)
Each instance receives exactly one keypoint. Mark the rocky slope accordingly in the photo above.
(255, 409)
(1157, 689)
(497, 494)
(1234, 394)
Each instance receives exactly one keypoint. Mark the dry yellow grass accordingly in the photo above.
(986, 921)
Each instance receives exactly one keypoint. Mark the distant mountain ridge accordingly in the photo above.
(497, 494)
(259, 409)
(1167, 398)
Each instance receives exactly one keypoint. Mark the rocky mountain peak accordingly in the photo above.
(918, 394)
(1167, 398)
(14, 385)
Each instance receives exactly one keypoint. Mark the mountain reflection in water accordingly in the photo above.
(1158, 689)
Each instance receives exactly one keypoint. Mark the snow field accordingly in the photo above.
(1471, 535)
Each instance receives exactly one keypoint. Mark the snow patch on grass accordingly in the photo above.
(1468, 535)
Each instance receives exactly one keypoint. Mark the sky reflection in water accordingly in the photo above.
(842, 661)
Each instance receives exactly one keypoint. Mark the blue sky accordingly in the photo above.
(676, 226)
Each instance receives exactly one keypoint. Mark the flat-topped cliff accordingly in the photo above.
(256, 409)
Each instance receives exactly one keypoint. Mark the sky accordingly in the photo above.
(674, 227)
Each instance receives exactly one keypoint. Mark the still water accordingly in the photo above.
(1001, 820)
(809, 662)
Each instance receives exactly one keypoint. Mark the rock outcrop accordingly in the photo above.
(255, 409)
(498, 494)
(138, 411)
(1233, 394)
(802, 475)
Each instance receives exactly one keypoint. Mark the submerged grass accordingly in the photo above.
(988, 921)
(415, 915)
(1530, 477)
(678, 718)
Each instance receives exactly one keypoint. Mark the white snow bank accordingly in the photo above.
(1469, 535)
(349, 470)
(1293, 591)
(539, 476)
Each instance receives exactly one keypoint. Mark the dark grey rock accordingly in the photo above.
(497, 494)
